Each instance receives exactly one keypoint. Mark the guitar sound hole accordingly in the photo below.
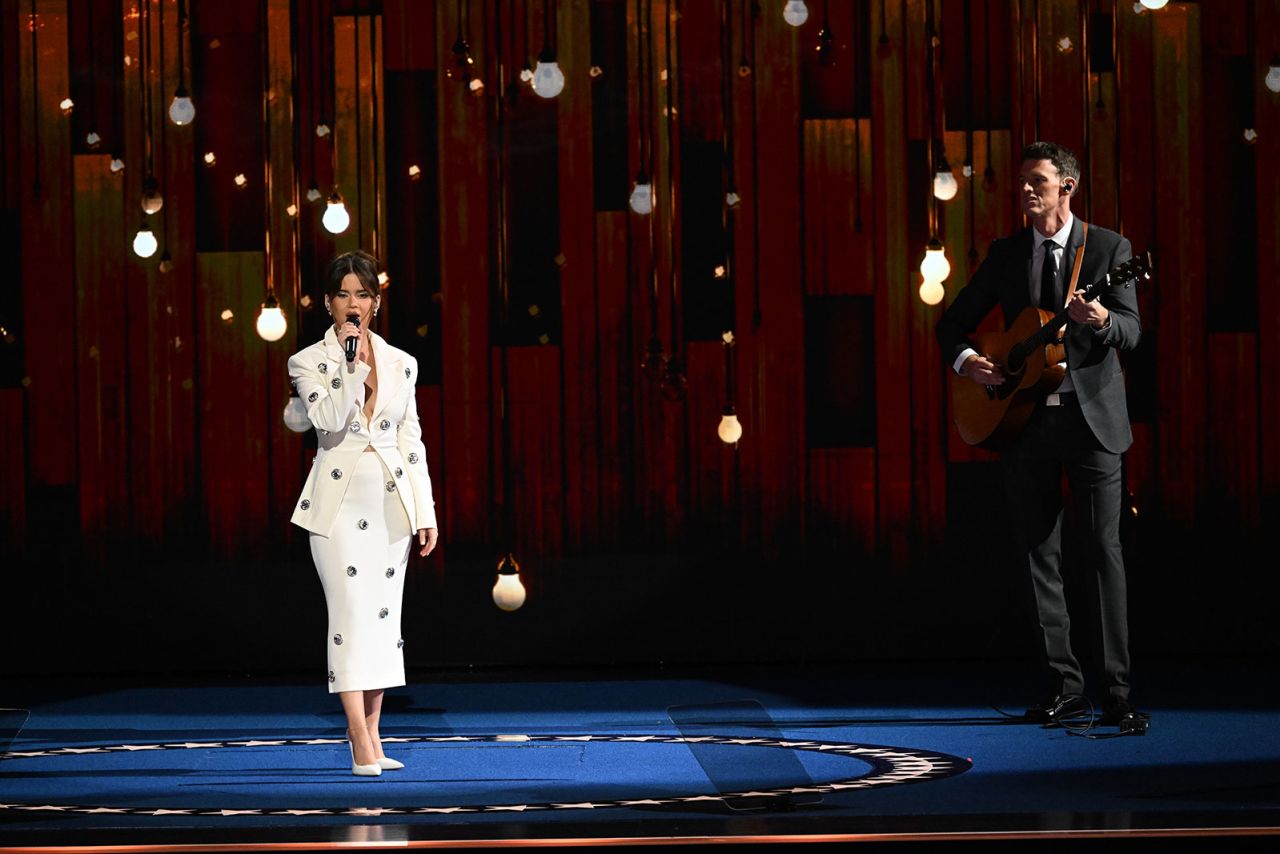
(1016, 362)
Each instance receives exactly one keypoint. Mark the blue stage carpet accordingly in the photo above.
(816, 752)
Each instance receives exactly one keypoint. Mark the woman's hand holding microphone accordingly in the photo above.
(351, 329)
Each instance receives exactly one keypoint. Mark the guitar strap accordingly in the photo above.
(1075, 268)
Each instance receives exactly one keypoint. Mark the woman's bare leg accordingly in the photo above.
(353, 703)
(372, 715)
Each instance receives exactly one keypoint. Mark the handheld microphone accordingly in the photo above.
(354, 342)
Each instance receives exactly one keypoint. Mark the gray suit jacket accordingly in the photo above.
(1004, 279)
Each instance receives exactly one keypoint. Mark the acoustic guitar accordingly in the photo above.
(1028, 353)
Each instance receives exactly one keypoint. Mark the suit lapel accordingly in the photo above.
(390, 372)
(1026, 251)
(1069, 256)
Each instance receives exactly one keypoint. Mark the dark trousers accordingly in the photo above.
(1057, 439)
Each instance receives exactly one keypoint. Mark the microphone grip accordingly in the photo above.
(354, 342)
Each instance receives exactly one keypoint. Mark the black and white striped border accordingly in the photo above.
(889, 766)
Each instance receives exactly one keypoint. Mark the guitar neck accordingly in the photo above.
(1049, 331)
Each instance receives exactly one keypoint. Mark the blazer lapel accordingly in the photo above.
(1026, 251)
(390, 372)
(1069, 256)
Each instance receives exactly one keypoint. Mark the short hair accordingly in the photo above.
(1059, 155)
(362, 264)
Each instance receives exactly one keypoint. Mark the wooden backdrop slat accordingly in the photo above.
(664, 416)
(1136, 158)
(13, 470)
(9, 94)
(354, 107)
(710, 460)
(464, 270)
(1103, 205)
(285, 446)
(894, 279)
(1267, 121)
(410, 34)
(842, 501)
(839, 259)
(1062, 75)
(913, 41)
(776, 379)
(233, 403)
(537, 455)
(928, 428)
(1180, 318)
(161, 438)
(1024, 120)
(103, 367)
(1233, 437)
(614, 371)
(47, 218)
(657, 439)
(1136, 127)
(580, 343)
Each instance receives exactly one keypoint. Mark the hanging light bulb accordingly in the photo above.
(313, 193)
(144, 242)
(526, 74)
(730, 429)
(931, 292)
(166, 261)
(181, 109)
(944, 183)
(152, 201)
(336, 219)
(642, 194)
(295, 413)
(1273, 74)
(508, 592)
(117, 165)
(935, 267)
(795, 12)
(1154, 4)
(92, 139)
(548, 79)
(271, 322)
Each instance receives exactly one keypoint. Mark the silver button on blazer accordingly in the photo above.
(334, 391)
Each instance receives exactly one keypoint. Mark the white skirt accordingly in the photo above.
(361, 566)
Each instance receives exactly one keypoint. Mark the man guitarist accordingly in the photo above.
(1081, 428)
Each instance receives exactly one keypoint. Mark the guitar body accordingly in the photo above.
(992, 417)
(1028, 353)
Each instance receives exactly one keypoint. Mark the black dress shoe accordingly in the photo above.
(1053, 712)
(1122, 714)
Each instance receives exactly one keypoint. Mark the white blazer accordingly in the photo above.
(333, 392)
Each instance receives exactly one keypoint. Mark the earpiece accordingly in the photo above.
(1070, 186)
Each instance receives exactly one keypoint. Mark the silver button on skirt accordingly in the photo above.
(371, 533)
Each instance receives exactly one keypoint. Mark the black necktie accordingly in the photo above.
(1049, 281)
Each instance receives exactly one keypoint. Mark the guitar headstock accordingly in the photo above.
(1136, 269)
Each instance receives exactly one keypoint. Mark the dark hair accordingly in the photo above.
(364, 265)
(1059, 155)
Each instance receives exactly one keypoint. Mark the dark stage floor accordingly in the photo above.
(748, 754)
